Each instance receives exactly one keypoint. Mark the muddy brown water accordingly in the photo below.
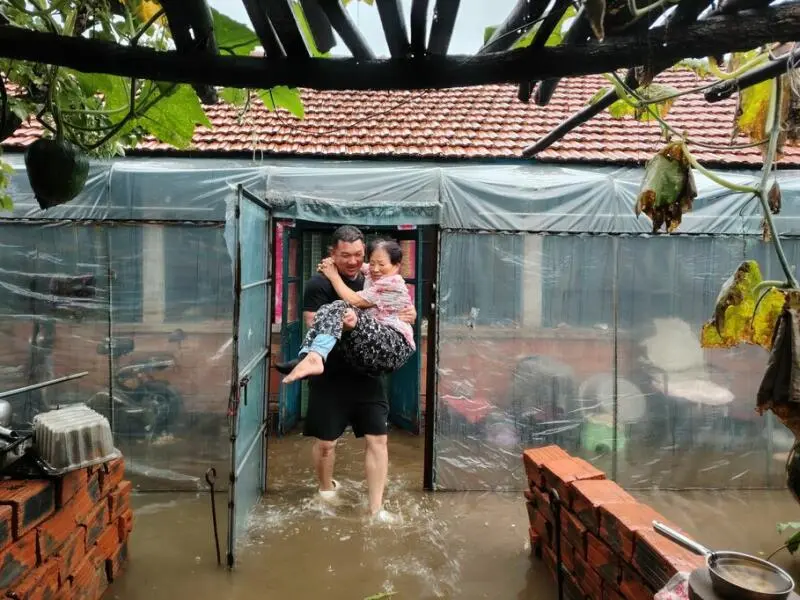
(449, 545)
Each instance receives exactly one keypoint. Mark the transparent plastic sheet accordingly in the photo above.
(171, 306)
(535, 330)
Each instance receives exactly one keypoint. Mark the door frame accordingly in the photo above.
(238, 385)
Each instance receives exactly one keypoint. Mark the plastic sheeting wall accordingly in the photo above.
(535, 330)
(164, 278)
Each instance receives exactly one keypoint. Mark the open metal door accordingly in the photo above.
(404, 384)
(252, 318)
(291, 325)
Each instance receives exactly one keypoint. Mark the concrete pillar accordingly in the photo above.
(153, 270)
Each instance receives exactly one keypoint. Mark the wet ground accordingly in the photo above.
(450, 545)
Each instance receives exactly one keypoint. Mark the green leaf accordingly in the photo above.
(793, 543)
(653, 92)
(598, 95)
(283, 97)
(6, 203)
(698, 66)
(235, 96)
(488, 32)
(115, 90)
(305, 29)
(556, 36)
(369, 2)
(233, 36)
(172, 120)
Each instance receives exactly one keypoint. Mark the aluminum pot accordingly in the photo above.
(734, 575)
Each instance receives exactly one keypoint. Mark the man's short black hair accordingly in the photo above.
(391, 247)
(347, 234)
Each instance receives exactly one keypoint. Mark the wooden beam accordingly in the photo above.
(319, 25)
(521, 18)
(282, 19)
(394, 27)
(741, 31)
(419, 26)
(547, 27)
(257, 12)
(344, 26)
(444, 21)
(578, 33)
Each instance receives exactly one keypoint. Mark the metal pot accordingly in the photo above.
(735, 575)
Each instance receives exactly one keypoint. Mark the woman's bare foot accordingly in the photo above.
(312, 364)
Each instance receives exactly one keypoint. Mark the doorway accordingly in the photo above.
(302, 245)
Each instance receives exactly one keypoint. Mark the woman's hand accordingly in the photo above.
(327, 268)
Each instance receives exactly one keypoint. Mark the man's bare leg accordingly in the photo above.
(377, 467)
(324, 454)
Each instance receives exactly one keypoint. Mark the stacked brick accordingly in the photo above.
(67, 537)
(609, 549)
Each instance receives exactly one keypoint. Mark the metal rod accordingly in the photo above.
(271, 270)
(615, 380)
(431, 378)
(42, 384)
(111, 358)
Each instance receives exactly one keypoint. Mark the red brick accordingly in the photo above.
(125, 524)
(573, 531)
(119, 500)
(590, 581)
(589, 496)
(112, 473)
(549, 560)
(531, 508)
(71, 554)
(611, 592)
(572, 591)
(116, 563)
(620, 521)
(534, 458)
(68, 485)
(542, 501)
(16, 560)
(94, 486)
(108, 541)
(95, 523)
(658, 559)
(543, 527)
(39, 584)
(6, 526)
(90, 579)
(632, 586)
(561, 473)
(602, 559)
(31, 501)
(568, 555)
(54, 532)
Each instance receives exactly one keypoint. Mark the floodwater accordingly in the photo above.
(449, 545)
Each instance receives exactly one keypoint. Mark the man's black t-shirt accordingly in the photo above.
(319, 291)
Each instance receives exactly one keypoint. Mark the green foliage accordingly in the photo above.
(6, 203)
(657, 96)
(524, 41)
(104, 114)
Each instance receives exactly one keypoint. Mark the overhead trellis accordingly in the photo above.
(535, 46)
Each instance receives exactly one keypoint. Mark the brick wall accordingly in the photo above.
(609, 549)
(64, 538)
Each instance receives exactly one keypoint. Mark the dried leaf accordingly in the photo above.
(668, 188)
(739, 315)
(774, 198)
(596, 13)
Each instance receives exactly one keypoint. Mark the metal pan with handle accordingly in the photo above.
(734, 575)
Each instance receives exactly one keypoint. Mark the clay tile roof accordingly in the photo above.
(462, 123)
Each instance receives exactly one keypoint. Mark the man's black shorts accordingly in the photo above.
(336, 402)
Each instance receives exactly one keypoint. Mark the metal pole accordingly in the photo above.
(42, 384)
(615, 380)
(111, 357)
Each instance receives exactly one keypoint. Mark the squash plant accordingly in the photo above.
(95, 115)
